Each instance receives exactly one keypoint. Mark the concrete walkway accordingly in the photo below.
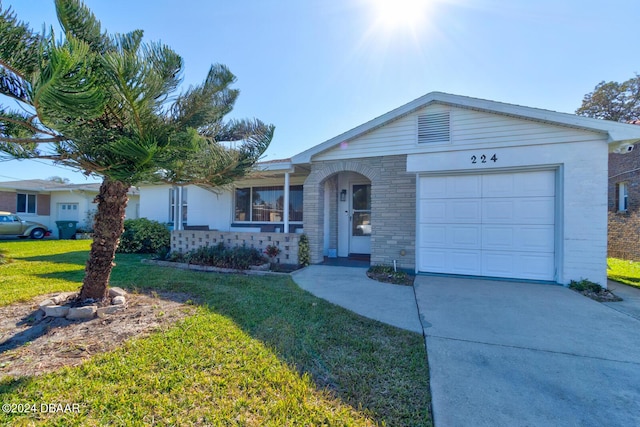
(349, 287)
(630, 303)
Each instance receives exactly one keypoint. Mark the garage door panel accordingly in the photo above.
(434, 187)
(498, 211)
(540, 238)
(464, 186)
(433, 236)
(451, 187)
(498, 185)
(451, 261)
(518, 265)
(538, 183)
(536, 210)
(518, 210)
(464, 211)
(464, 236)
(498, 264)
(537, 266)
(527, 238)
(498, 237)
(433, 211)
(433, 260)
(450, 236)
(465, 262)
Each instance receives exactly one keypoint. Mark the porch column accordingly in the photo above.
(178, 207)
(285, 213)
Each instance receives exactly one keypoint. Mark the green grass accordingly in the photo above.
(259, 351)
(624, 271)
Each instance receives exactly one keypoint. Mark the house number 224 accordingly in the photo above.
(483, 159)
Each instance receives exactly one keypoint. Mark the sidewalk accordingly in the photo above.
(349, 287)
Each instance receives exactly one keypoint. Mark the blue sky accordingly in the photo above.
(317, 68)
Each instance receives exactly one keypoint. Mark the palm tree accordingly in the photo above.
(108, 105)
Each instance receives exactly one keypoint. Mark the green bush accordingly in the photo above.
(144, 236)
(239, 258)
(585, 285)
(304, 257)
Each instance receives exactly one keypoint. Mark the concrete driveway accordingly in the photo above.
(521, 354)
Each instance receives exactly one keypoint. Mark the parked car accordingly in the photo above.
(13, 225)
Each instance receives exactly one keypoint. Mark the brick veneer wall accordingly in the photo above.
(393, 207)
(43, 204)
(624, 227)
(187, 240)
(7, 201)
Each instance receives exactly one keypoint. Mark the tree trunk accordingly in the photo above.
(108, 226)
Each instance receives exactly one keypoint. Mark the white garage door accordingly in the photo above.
(498, 225)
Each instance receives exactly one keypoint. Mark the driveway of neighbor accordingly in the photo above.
(521, 354)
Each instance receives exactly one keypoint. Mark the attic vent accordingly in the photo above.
(433, 127)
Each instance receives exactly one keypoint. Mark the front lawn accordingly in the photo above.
(624, 271)
(259, 351)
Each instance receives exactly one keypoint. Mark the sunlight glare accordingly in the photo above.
(397, 14)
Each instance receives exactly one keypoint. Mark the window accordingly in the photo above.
(623, 197)
(26, 203)
(434, 128)
(175, 195)
(265, 204)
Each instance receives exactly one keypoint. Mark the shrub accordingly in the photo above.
(304, 257)
(239, 258)
(272, 251)
(144, 236)
(585, 285)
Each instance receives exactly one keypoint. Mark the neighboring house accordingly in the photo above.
(624, 204)
(444, 184)
(47, 202)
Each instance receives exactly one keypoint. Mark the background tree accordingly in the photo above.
(619, 102)
(58, 179)
(107, 105)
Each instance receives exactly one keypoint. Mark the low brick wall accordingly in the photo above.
(187, 240)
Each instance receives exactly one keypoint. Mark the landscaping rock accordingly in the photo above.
(117, 292)
(63, 297)
(119, 300)
(82, 313)
(55, 310)
(103, 311)
(46, 303)
(263, 267)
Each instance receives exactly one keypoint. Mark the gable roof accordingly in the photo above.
(618, 134)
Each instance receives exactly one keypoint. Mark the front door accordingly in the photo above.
(360, 234)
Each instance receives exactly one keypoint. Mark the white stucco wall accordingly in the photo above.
(203, 207)
(154, 202)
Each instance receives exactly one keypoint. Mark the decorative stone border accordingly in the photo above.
(61, 306)
(260, 270)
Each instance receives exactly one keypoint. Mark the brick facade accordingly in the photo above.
(393, 207)
(624, 227)
(187, 240)
(8, 201)
(43, 204)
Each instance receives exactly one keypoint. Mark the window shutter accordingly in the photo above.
(434, 128)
